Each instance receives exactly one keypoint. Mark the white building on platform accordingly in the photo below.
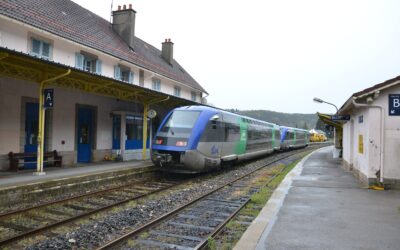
(103, 77)
(371, 139)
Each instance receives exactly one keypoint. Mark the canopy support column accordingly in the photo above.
(146, 107)
(40, 138)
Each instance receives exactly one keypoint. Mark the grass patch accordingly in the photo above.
(278, 179)
(211, 244)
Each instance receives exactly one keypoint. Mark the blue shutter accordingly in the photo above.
(98, 67)
(130, 80)
(117, 72)
(79, 61)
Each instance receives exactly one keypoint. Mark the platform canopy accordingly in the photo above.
(325, 118)
(25, 67)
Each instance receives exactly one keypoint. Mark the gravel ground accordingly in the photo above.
(111, 225)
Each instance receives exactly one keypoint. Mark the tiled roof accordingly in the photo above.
(370, 90)
(377, 86)
(73, 22)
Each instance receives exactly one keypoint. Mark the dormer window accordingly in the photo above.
(156, 84)
(123, 73)
(177, 91)
(40, 48)
(88, 62)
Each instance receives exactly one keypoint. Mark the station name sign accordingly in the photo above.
(340, 118)
(394, 104)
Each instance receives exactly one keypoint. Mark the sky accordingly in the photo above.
(274, 55)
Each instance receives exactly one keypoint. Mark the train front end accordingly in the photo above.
(174, 146)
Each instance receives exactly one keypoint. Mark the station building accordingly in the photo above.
(102, 81)
(371, 138)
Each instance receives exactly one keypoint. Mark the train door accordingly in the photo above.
(217, 135)
(31, 132)
(85, 134)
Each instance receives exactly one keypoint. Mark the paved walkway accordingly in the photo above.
(321, 206)
(11, 179)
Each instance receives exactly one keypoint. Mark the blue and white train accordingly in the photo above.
(195, 139)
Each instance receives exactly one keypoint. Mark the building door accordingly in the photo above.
(31, 132)
(85, 134)
(116, 141)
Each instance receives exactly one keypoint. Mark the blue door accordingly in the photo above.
(31, 132)
(116, 142)
(85, 134)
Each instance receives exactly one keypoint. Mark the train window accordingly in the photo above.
(181, 121)
(232, 132)
(213, 132)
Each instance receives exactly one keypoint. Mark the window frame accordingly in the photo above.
(177, 91)
(193, 96)
(156, 84)
(42, 42)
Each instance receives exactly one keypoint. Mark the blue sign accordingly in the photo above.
(394, 104)
(48, 98)
(340, 118)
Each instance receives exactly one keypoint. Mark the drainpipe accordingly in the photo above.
(382, 137)
(146, 107)
(40, 138)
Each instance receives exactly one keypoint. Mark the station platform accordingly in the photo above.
(321, 206)
(16, 179)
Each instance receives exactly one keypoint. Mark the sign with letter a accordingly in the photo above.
(48, 98)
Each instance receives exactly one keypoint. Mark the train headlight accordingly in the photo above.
(159, 141)
(181, 143)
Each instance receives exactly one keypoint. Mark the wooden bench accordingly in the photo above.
(17, 159)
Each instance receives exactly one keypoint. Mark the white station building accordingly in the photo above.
(101, 80)
(371, 139)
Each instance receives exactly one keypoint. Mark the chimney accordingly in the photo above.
(167, 50)
(124, 23)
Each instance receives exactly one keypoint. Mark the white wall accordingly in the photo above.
(392, 136)
(370, 161)
(63, 121)
(15, 35)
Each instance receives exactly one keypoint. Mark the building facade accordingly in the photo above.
(371, 139)
(103, 77)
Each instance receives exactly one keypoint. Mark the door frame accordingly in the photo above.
(48, 146)
(93, 141)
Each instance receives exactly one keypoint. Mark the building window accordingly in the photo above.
(40, 48)
(123, 74)
(134, 132)
(361, 119)
(177, 91)
(193, 96)
(156, 84)
(88, 63)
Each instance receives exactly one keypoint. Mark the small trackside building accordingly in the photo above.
(104, 80)
(371, 139)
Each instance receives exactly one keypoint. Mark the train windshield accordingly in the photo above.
(176, 131)
(181, 121)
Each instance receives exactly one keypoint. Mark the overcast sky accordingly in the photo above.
(274, 55)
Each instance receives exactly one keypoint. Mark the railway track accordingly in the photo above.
(136, 218)
(191, 225)
(27, 222)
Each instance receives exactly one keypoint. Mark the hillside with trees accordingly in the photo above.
(305, 121)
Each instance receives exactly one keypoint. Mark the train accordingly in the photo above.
(196, 139)
(317, 136)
